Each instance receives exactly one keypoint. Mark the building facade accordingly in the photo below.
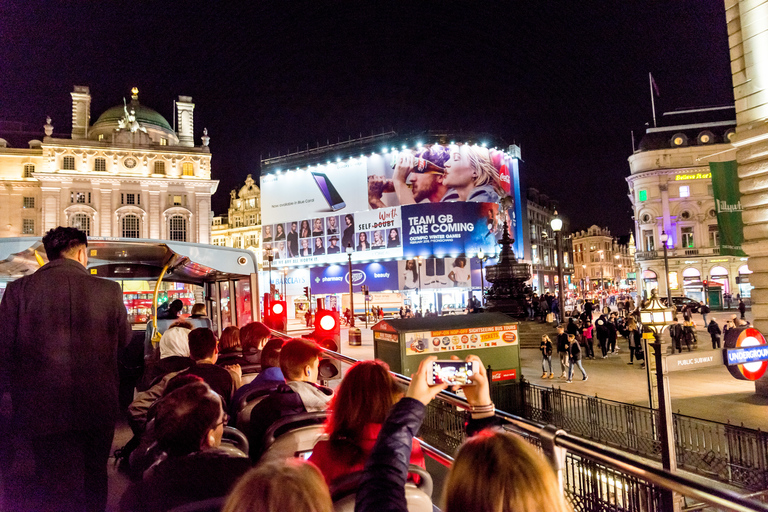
(670, 187)
(241, 227)
(128, 175)
(748, 36)
(600, 261)
(541, 246)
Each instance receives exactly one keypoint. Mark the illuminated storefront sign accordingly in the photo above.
(697, 176)
(746, 353)
(673, 284)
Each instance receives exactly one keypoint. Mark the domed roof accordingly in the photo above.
(144, 115)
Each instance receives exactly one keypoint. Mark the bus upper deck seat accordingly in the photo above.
(293, 436)
(418, 497)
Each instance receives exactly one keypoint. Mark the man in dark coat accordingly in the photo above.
(602, 333)
(676, 333)
(62, 332)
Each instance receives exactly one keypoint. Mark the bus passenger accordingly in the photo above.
(362, 403)
(299, 362)
(253, 337)
(174, 353)
(189, 425)
(62, 328)
(292, 485)
(494, 471)
(269, 376)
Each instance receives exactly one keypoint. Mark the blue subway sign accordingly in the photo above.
(747, 355)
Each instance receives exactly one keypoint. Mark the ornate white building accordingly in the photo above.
(129, 175)
(670, 187)
(241, 227)
(600, 262)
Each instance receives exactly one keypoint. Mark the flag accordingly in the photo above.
(725, 188)
(653, 83)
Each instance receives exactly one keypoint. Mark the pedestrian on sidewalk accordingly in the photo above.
(574, 358)
(633, 340)
(586, 335)
(612, 334)
(689, 334)
(601, 330)
(562, 350)
(742, 308)
(704, 310)
(676, 333)
(546, 357)
(714, 332)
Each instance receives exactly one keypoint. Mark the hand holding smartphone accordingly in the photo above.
(453, 373)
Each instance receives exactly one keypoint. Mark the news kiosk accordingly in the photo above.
(404, 343)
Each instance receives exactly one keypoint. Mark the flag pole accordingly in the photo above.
(653, 104)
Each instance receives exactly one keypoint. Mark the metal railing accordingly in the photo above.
(594, 477)
(728, 453)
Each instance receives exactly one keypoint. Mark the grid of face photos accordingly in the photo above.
(319, 236)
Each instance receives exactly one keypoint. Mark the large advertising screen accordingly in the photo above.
(430, 200)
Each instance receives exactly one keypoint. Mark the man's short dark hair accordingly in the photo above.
(176, 306)
(61, 241)
(295, 355)
(270, 354)
(202, 343)
(252, 334)
(185, 416)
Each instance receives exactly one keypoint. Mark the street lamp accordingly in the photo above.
(350, 250)
(584, 279)
(664, 237)
(481, 257)
(270, 257)
(657, 317)
(418, 259)
(557, 224)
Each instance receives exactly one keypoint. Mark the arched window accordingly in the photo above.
(130, 226)
(81, 221)
(28, 170)
(188, 169)
(177, 228)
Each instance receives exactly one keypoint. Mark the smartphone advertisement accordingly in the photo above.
(477, 338)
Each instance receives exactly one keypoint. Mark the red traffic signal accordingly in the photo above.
(277, 316)
(327, 334)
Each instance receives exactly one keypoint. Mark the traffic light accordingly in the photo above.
(277, 316)
(327, 334)
(308, 293)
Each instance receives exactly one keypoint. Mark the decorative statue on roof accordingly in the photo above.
(129, 122)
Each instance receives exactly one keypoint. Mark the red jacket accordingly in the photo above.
(332, 459)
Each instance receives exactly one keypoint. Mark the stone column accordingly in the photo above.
(748, 39)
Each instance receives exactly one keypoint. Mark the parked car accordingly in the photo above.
(681, 303)
(451, 309)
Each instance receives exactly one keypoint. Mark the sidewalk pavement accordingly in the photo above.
(708, 393)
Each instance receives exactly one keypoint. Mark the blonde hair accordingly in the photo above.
(480, 160)
(293, 485)
(498, 471)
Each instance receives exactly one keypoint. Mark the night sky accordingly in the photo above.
(567, 81)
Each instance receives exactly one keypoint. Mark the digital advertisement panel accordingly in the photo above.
(335, 278)
(430, 200)
(460, 339)
(434, 273)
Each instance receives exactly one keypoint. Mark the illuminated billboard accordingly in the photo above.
(430, 200)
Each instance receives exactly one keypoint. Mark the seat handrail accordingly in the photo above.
(718, 497)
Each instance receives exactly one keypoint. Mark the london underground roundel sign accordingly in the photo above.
(746, 353)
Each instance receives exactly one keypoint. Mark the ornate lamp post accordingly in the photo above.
(350, 250)
(481, 257)
(657, 317)
(418, 258)
(557, 225)
(664, 237)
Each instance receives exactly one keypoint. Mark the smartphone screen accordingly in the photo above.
(452, 372)
(329, 191)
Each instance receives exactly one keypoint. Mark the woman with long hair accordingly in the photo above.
(394, 238)
(360, 407)
(494, 470)
(364, 244)
(410, 275)
(304, 231)
(471, 176)
(279, 232)
(348, 238)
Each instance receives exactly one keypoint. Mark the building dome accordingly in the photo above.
(144, 115)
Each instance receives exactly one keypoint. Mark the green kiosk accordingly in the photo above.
(403, 343)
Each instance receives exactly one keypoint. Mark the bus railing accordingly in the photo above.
(590, 474)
